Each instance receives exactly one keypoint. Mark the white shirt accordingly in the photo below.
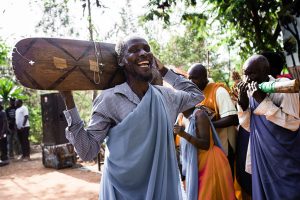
(226, 108)
(20, 114)
(280, 108)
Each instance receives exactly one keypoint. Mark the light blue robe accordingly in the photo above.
(140, 158)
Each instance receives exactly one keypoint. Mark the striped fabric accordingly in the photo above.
(114, 104)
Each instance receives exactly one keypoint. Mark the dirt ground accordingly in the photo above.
(30, 180)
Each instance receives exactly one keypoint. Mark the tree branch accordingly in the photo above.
(276, 33)
(253, 8)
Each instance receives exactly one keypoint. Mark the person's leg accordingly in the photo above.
(16, 143)
(22, 141)
(25, 134)
(3, 149)
(231, 158)
(10, 149)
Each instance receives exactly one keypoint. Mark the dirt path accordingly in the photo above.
(32, 181)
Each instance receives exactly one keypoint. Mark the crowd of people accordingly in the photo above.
(14, 132)
(233, 144)
(229, 149)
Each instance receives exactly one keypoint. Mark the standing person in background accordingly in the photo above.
(234, 90)
(242, 181)
(22, 122)
(273, 122)
(137, 120)
(3, 140)
(12, 136)
(207, 170)
(277, 62)
(217, 99)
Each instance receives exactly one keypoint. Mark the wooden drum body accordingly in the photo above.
(64, 64)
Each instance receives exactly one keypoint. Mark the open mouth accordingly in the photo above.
(144, 64)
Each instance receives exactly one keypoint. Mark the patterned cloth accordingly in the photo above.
(208, 174)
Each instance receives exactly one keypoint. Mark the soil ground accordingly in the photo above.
(30, 180)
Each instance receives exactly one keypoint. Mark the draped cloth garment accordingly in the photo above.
(218, 100)
(140, 160)
(242, 177)
(275, 158)
(208, 174)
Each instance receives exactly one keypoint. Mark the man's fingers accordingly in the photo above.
(159, 65)
(239, 84)
(177, 128)
(253, 87)
(242, 86)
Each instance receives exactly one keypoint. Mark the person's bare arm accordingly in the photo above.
(202, 130)
(25, 120)
(202, 141)
(161, 68)
(231, 120)
(68, 99)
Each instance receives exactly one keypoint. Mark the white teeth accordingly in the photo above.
(145, 66)
(143, 62)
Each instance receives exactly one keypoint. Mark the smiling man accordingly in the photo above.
(136, 119)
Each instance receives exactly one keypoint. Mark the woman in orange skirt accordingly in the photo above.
(208, 174)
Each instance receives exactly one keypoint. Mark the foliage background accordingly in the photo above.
(219, 34)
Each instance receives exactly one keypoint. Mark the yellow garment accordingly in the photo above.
(210, 97)
(237, 187)
(227, 134)
(180, 123)
(214, 174)
(177, 140)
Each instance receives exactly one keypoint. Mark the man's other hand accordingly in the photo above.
(67, 96)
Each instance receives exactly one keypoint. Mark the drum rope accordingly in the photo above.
(31, 62)
(99, 65)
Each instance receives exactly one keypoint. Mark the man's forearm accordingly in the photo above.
(161, 68)
(277, 115)
(197, 142)
(25, 120)
(163, 71)
(231, 120)
(68, 99)
(86, 145)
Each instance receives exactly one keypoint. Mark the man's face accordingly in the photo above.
(200, 79)
(12, 103)
(18, 103)
(138, 59)
(252, 72)
(200, 82)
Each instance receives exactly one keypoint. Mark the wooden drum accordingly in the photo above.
(64, 64)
